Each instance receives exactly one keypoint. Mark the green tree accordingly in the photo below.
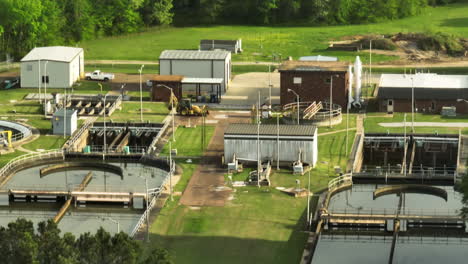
(53, 249)
(158, 256)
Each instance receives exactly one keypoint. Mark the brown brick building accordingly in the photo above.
(161, 93)
(431, 92)
(311, 81)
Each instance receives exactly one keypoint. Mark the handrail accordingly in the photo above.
(80, 132)
(393, 211)
(28, 157)
(337, 182)
(153, 201)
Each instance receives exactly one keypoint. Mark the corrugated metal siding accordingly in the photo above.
(421, 93)
(194, 55)
(289, 150)
(284, 130)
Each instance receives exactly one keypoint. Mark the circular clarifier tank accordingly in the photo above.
(20, 132)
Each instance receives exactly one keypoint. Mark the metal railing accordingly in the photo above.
(341, 180)
(152, 146)
(12, 164)
(77, 135)
(404, 211)
(155, 196)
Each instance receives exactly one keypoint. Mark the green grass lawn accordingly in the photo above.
(256, 226)
(46, 142)
(5, 158)
(188, 141)
(371, 123)
(187, 171)
(152, 111)
(259, 43)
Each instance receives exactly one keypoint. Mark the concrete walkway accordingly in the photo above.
(425, 124)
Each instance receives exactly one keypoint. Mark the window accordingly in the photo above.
(45, 79)
(390, 102)
(29, 67)
(297, 80)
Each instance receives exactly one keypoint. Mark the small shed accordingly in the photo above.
(293, 141)
(234, 46)
(161, 84)
(56, 67)
(64, 121)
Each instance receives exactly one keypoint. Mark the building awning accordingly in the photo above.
(189, 80)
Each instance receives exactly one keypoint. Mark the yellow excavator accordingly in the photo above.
(186, 108)
(8, 135)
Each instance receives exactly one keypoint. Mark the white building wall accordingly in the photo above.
(165, 67)
(198, 69)
(289, 150)
(58, 73)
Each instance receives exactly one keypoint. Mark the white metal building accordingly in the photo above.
(197, 64)
(58, 67)
(294, 141)
(64, 121)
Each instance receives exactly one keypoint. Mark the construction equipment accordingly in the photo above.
(186, 108)
(6, 141)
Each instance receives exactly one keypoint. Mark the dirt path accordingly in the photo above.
(206, 187)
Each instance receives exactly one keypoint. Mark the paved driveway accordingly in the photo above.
(244, 89)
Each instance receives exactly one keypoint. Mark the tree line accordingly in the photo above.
(25, 24)
(20, 244)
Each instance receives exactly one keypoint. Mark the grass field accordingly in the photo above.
(188, 141)
(152, 111)
(371, 123)
(259, 43)
(257, 226)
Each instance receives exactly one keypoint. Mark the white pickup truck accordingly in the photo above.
(99, 76)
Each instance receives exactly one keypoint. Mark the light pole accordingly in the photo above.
(46, 79)
(331, 98)
(104, 149)
(269, 81)
(308, 201)
(112, 220)
(147, 207)
(172, 109)
(258, 153)
(39, 81)
(64, 114)
(170, 171)
(141, 94)
(297, 99)
(412, 104)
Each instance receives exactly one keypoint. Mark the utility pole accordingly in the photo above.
(46, 79)
(141, 94)
(308, 202)
(331, 100)
(170, 170)
(412, 104)
(277, 143)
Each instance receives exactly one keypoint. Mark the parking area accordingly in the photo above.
(244, 88)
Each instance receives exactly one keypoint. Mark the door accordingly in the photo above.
(390, 106)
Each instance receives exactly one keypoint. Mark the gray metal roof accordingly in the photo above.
(194, 55)
(270, 129)
(58, 53)
(189, 80)
(318, 58)
(426, 86)
(424, 80)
